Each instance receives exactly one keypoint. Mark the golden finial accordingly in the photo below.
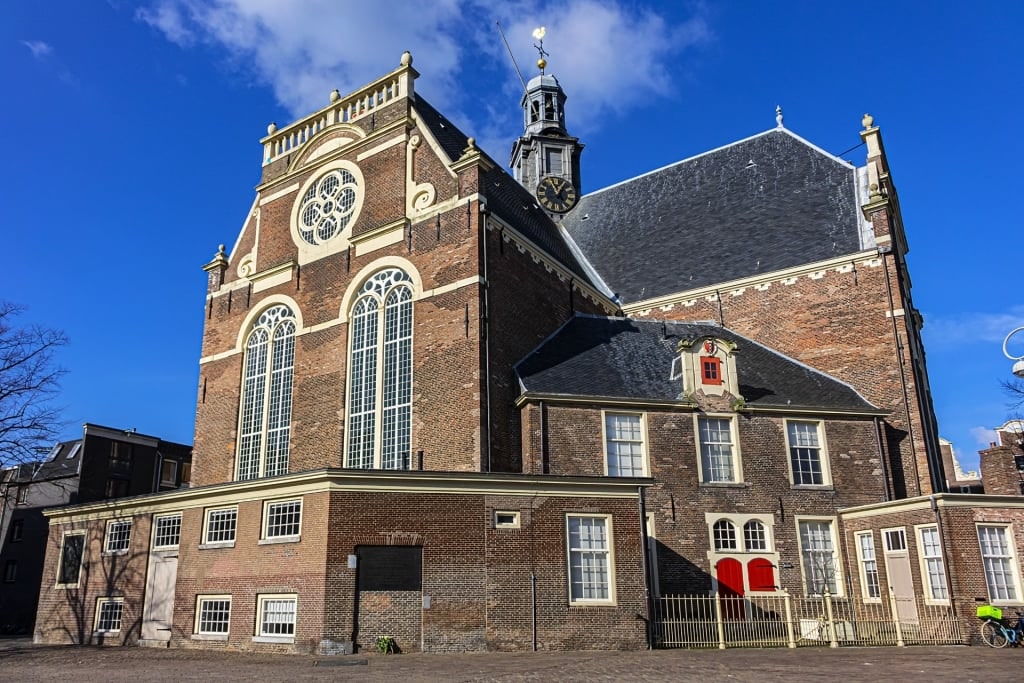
(538, 35)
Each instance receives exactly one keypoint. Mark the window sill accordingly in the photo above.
(286, 640)
(813, 487)
(724, 485)
(114, 553)
(872, 601)
(210, 636)
(214, 546)
(65, 586)
(281, 539)
(106, 633)
(587, 604)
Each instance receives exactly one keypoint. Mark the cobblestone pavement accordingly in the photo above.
(21, 661)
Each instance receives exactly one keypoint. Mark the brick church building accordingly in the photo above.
(476, 410)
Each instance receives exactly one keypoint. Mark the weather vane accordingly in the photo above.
(538, 35)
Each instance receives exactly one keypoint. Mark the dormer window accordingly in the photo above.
(710, 370)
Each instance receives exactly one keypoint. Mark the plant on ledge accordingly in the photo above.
(386, 645)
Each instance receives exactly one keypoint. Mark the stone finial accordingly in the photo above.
(217, 265)
(778, 115)
(272, 128)
(406, 59)
(470, 147)
(874, 192)
(868, 121)
(220, 255)
(335, 95)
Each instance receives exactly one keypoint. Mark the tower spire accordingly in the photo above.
(545, 158)
(538, 35)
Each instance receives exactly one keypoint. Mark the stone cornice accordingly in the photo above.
(814, 270)
(342, 480)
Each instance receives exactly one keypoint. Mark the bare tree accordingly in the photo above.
(1014, 389)
(29, 383)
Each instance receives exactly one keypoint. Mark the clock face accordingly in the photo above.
(556, 194)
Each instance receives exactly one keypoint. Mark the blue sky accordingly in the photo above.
(132, 129)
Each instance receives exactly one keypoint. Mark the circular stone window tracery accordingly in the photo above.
(328, 206)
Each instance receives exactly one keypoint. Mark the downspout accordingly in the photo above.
(881, 457)
(945, 556)
(485, 330)
(903, 373)
(642, 506)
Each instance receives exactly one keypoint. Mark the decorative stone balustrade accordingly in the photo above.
(396, 85)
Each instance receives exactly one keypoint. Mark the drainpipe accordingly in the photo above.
(642, 507)
(533, 605)
(903, 376)
(945, 556)
(487, 336)
(882, 456)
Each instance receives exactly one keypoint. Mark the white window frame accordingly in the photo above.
(60, 560)
(207, 543)
(551, 151)
(108, 537)
(607, 440)
(156, 531)
(100, 602)
(280, 538)
(890, 533)
(823, 458)
(261, 600)
(923, 560)
(609, 561)
(265, 416)
(862, 567)
(765, 536)
(837, 560)
(737, 461)
(368, 452)
(514, 524)
(197, 625)
(728, 534)
(1007, 530)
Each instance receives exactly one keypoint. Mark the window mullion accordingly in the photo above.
(267, 392)
(378, 399)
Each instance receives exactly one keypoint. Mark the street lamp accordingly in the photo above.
(1018, 366)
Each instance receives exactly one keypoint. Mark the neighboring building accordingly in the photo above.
(104, 464)
(422, 413)
(958, 481)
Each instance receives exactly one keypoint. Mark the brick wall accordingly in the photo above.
(678, 501)
(999, 472)
(836, 322)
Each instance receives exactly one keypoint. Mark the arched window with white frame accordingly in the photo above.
(380, 373)
(266, 411)
(725, 535)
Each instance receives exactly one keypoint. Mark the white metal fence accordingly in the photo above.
(782, 620)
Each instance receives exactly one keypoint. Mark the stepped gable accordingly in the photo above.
(633, 359)
(505, 197)
(718, 217)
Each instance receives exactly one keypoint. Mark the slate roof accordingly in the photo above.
(62, 461)
(633, 359)
(716, 217)
(506, 198)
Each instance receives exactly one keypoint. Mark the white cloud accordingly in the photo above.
(943, 333)
(38, 48)
(984, 436)
(608, 55)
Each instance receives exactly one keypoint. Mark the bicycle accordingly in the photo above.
(997, 633)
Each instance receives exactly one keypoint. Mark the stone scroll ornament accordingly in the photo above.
(422, 195)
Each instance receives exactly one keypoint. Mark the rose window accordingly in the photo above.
(328, 206)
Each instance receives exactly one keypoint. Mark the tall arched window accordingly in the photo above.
(266, 415)
(380, 373)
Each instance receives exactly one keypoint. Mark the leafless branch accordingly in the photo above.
(29, 384)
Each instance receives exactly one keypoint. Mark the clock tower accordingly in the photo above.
(546, 159)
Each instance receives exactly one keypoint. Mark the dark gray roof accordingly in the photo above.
(506, 198)
(632, 359)
(62, 461)
(717, 217)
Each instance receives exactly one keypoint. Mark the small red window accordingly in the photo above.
(711, 370)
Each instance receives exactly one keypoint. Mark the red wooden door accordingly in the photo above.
(730, 587)
(761, 575)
